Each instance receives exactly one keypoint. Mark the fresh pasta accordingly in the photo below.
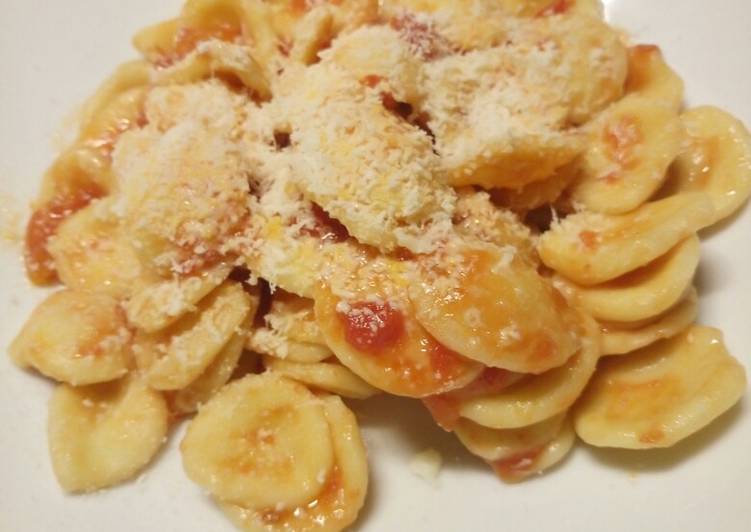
(492, 207)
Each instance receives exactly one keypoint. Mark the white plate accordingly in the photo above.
(53, 54)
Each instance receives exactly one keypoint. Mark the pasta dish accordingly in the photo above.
(488, 206)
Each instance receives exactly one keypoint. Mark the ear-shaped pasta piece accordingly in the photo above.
(181, 218)
(651, 78)
(549, 8)
(493, 307)
(168, 42)
(592, 80)
(337, 505)
(313, 33)
(294, 317)
(382, 343)
(174, 357)
(214, 58)
(591, 248)
(216, 375)
(477, 217)
(369, 323)
(537, 397)
(620, 338)
(662, 394)
(631, 146)
(104, 434)
(156, 304)
(539, 193)
(643, 293)
(269, 342)
(261, 442)
(394, 196)
(75, 337)
(91, 252)
(67, 188)
(292, 332)
(128, 76)
(716, 161)
(462, 97)
(395, 69)
(516, 454)
(496, 444)
(327, 376)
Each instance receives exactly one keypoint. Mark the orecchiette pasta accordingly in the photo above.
(630, 148)
(591, 248)
(644, 292)
(343, 495)
(466, 202)
(327, 376)
(173, 358)
(717, 159)
(104, 434)
(661, 394)
(75, 337)
(515, 454)
(537, 397)
(622, 338)
(262, 442)
(651, 78)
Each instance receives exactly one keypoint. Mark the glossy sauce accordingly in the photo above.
(327, 228)
(44, 223)
(559, 7)
(322, 510)
(640, 59)
(371, 326)
(445, 407)
(519, 465)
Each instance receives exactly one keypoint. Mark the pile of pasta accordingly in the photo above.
(491, 206)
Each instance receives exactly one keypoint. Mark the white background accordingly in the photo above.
(54, 53)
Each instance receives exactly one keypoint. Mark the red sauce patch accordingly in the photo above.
(371, 80)
(371, 326)
(517, 466)
(621, 138)
(400, 109)
(639, 59)
(590, 239)
(445, 410)
(44, 223)
(327, 228)
(559, 7)
(422, 38)
(445, 407)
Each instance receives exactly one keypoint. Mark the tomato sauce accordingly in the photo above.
(327, 228)
(559, 7)
(371, 326)
(519, 465)
(445, 407)
(44, 223)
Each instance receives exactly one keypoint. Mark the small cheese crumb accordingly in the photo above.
(427, 465)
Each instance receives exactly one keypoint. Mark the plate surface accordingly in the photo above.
(53, 54)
